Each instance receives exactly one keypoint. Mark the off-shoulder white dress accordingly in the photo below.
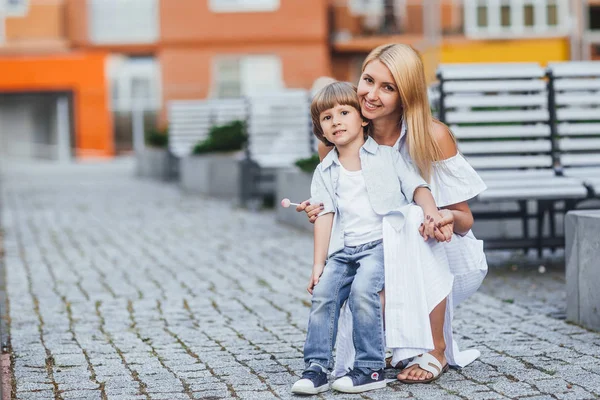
(418, 274)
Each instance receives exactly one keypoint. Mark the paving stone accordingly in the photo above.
(38, 395)
(183, 288)
(510, 388)
(82, 395)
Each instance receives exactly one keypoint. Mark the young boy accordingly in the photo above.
(358, 183)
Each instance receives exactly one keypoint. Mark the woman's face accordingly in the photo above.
(378, 93)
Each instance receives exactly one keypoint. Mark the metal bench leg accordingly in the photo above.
(524, 221)
(552, 216)
(541, 211)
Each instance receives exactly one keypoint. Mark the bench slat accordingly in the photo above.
(490, 70)
(455, 117)
(554, 181)
(496, 101)
(578, 114)
(540, 174)
(508, 131)
(582, 171)
(577, 98)
(577, 84)
(512, 162)
(575, 68)
(524, 85)
(534, 193)
(579, 144)
(513, 146)
(566, 128)
(584, 159)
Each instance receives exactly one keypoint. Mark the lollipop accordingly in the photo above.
(286, 203)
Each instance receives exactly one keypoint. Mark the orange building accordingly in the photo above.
(79, 68)
(453, 31)
(72, 72)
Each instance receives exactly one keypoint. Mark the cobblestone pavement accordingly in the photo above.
(127, 289)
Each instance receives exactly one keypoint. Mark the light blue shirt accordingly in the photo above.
(389, 179)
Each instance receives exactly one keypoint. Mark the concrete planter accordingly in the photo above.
(582, 252)
(154, 163)
(295, 185)
(215, 175)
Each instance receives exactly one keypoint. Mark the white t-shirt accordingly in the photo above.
(361, 224)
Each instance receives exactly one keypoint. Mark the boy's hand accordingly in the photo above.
(314, 278)
(427, 228)
(438, 226)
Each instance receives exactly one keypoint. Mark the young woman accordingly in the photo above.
(393, 95)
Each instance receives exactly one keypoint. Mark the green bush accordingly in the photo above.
(223, 138)
(308, 164)
(157, 138)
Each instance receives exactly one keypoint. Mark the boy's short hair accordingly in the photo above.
(342, 93)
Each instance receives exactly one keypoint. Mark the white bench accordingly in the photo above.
(576, 100)
(191, 120)
(278, 127)
(278, 135)
(499, 114)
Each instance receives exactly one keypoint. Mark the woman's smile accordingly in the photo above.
(368, 105)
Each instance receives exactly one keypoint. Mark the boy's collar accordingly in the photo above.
(370, 146)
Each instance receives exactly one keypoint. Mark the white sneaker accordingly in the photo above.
(357, 381)
(312, 382)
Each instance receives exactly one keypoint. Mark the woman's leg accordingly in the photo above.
(436, 318)
(382, 299)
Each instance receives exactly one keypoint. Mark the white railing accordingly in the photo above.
(278, 125)
(123, 21)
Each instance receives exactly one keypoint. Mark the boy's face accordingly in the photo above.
(342, 125)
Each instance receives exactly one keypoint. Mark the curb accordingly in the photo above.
(5, 373)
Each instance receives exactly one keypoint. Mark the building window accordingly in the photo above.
(528, 15)
(594, 21)
(552, 13)
(134, 82)
(505, 14)
(246, 76)
(516, 18)
(243, 5)
(228, 78)
(482, 16)
(123, 21)
(16, 8)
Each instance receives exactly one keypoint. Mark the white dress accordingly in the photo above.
(411, 292)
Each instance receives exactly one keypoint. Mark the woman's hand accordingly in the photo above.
(312, 210)
(446, 224)
(438, 226)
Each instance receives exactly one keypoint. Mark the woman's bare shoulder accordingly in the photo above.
(444, 139)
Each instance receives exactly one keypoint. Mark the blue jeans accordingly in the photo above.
(356, 274)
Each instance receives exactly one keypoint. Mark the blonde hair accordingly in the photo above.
(407, 69)
(336, 93)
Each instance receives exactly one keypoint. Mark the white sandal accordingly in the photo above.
(428, 363)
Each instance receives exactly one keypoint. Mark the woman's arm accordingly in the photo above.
(461, 215)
